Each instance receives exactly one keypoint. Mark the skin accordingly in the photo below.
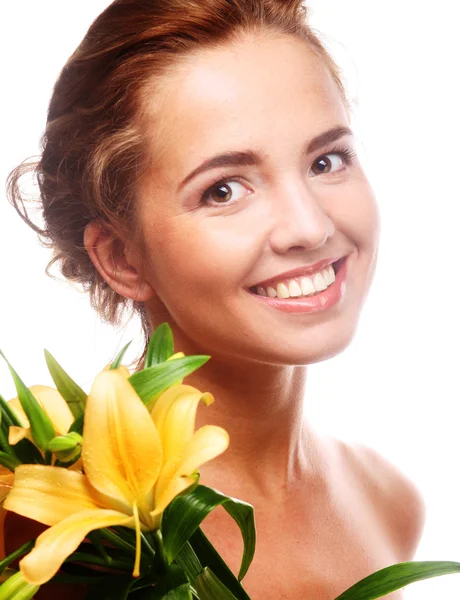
(192, 264)
(269, 94)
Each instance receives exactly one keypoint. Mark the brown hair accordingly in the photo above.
(92, 150)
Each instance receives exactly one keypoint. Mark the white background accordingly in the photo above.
(395, 388)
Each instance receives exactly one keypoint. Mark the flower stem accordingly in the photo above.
(157, 539)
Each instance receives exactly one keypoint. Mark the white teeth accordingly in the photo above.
(329, 275)
(294, 289)
(302, 286)
(307, 286)
(282, 291)
(320, 283)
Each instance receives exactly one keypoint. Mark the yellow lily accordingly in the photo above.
(52, 403)
(6, 481)
(58, 411)
(135, 463)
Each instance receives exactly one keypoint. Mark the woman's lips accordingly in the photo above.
(335, 265)
(323, 300)
(297, 273)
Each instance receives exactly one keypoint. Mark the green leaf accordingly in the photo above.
(209, 587)
(17, 588)
(41, 427)
(9, 461)
(173, 585)
(209, 557)
(393, 578)
(91, 559)
(119, 357)
(77, 425)
(160, 347)
(153, 381)
(66, 386)
(126, 548)
(185, 514)
(95, 538)
(9, 417)
(188, 561)
(24, 549)
(27, 453)
(4, 443)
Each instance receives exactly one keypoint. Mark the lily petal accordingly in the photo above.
(55, 407)
(176, 486)
(17, 408)
(50, 494)
(6, 481)
(174, 416)
(122, 369)
(16, 434)
(207, 442)
(54, 545)
(52, 403)
(122, 453)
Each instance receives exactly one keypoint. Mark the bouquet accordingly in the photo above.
(113, 476)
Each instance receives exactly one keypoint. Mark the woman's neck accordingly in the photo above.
(272, 448)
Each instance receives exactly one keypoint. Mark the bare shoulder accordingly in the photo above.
(396, 498)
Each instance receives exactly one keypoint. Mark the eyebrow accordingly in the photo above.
(250, 158)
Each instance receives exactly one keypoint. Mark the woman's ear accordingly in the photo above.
(109, 255)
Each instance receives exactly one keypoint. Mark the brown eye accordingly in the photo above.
(223, 193)
(327, 164)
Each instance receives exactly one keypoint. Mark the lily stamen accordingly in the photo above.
(137, 561)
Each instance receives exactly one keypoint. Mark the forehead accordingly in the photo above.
(256, 92)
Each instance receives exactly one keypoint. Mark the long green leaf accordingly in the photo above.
(69, 390)
(91, 559)
(209, 557)
(160, 347)
(77, 425)
(24, 549)
(188, 561)
(152, 382)
(173, 585)
(116, 540)
(209, 587)
(185, 514)
(9, 417)
(393, 578)
(4, 443)
(119, 357)
(9, 461)
(41, 427)
(27, 453)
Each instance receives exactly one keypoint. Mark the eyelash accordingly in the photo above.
(347, 155)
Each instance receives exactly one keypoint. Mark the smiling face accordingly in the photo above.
(279, 207)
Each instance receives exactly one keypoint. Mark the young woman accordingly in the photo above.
(198, 164)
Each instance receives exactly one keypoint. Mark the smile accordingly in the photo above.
(300, 286)
(320, 291)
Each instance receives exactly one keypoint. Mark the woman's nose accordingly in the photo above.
(299, 220)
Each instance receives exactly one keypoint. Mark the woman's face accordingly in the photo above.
(280, 209)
